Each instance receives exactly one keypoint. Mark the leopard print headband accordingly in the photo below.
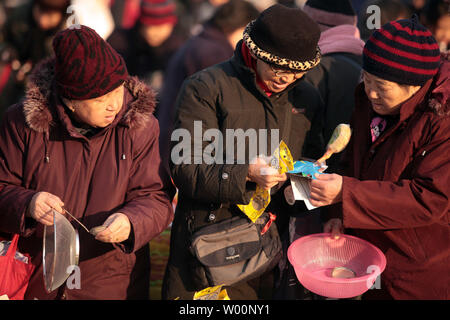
(274, 59)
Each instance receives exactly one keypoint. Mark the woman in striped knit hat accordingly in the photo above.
(395, 192)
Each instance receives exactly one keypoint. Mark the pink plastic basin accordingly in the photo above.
(315, 256)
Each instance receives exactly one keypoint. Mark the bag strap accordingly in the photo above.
(13, 246)
(272, 218)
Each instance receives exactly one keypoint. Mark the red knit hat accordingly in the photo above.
(86, 66)
(402, 51)
(156, 12)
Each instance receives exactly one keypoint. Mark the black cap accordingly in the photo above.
(284, 36)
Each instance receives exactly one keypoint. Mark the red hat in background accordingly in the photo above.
(56, 5)
(157, 12)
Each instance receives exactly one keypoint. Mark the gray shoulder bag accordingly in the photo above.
(237, 249)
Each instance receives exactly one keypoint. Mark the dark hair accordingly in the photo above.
(233, 15)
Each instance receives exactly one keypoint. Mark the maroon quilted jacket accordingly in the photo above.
(396, 191)
(116, 170)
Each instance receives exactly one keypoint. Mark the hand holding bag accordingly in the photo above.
(14, 274)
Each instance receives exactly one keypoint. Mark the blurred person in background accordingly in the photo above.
(416, 6)
(436, 17)
(214, 44)
(149, 45)
(29, 29)
(2, 15)
(201, 11)
(25, 39)
(390, 10)
(125, 13)
(339, 71)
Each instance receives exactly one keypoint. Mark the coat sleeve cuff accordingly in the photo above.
(126, 246)
(13, 219)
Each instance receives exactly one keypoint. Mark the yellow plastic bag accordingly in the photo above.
(285, 161)
(282, 161)
(212, 293)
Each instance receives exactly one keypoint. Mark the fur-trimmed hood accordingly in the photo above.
(440, 96)
(39, 93)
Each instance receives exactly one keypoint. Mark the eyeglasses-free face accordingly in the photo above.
(386, 96)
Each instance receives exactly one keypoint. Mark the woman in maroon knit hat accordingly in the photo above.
(85, 140)
(395, 189)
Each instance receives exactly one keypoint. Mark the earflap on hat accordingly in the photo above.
(402, 51)
(285, 37)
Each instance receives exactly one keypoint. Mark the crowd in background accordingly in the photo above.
(163, 39)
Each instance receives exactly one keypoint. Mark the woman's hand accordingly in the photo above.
(42, 205)
(264, 175)
(326, 189)
(118, 228)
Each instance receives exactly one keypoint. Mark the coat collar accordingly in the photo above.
(408, 107)
(414, 102)
(40, 114)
